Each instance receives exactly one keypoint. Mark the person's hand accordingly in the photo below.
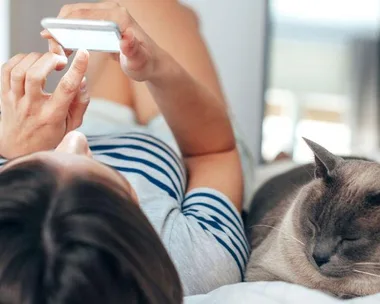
(31, 119)
(139, 54)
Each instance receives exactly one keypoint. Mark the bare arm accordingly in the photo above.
(198, 119)
(175, 28)
(202, 128)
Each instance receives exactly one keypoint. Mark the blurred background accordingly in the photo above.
(290, 68)
(323, 77)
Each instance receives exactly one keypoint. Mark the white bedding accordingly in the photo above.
(271, 293)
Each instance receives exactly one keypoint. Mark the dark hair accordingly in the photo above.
(77, 240)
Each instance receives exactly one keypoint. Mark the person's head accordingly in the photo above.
(71, 231)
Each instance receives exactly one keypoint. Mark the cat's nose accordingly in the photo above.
(321, 258)
(323, 251)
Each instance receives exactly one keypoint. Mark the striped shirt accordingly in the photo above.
(201, 229)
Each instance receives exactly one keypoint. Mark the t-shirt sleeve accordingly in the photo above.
(205, 238)
(218, 217)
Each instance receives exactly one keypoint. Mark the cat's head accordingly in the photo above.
(339, 212)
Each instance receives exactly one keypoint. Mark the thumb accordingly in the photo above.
(78, 107)
(134, 57)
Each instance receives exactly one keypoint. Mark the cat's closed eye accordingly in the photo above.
(354, 242)
(351, 238)
(351, 235)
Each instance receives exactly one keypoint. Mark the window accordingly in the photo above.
(312, 79)
(337, 12)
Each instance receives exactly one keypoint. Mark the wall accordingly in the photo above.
(26, 16)
(309, 66)
(234, 31)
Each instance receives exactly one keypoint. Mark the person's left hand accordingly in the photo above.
(140, 57)
(31, 119)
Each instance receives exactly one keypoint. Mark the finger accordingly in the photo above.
(56, 48)
(79, 106)
(132, 48)
(36, 75)
(129, 45)
(68, 9)
(6, 70)
(18, 73)
(69, 85)
(46, 34)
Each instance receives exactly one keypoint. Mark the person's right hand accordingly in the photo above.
(31, 119)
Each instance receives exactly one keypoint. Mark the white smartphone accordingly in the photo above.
(92, 35)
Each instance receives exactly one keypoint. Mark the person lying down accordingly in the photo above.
(119, 217)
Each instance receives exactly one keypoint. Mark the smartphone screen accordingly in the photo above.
(92, 40)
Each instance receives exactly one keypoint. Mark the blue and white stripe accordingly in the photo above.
(145, 156)
(216, 215)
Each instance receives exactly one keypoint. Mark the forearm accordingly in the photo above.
(197, 118)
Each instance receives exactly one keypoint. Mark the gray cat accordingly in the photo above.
(320, 231)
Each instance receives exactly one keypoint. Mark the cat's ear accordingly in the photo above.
(325, 161)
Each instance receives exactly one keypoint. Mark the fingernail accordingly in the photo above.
(62, 59)
(83, 85)
(44, 33)
(82, 54)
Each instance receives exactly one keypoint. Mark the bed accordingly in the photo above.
(272, 293)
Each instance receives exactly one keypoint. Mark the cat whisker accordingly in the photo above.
(274, 217)
(279, 230)
(368, 268)
(367, 273)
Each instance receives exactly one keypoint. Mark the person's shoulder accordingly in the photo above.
(207, 241)
(203, 262)
(215, 203)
